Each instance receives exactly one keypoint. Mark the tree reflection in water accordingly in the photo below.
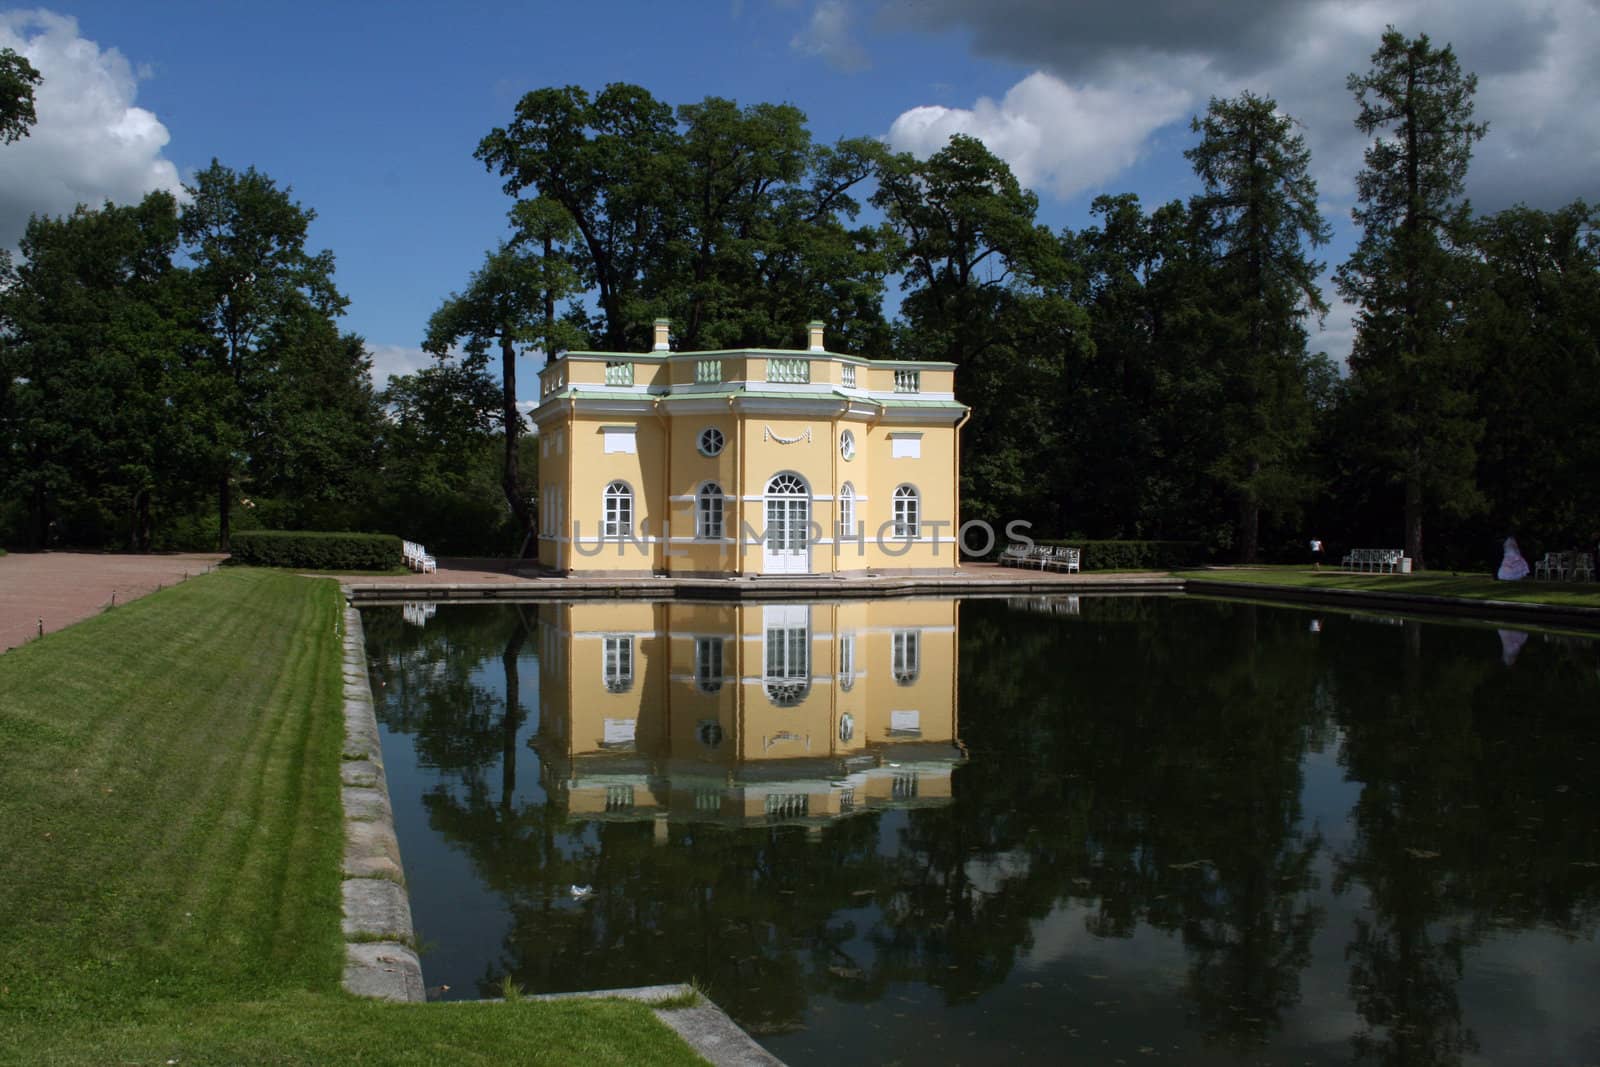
(1142, 762)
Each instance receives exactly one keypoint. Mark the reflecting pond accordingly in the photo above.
(1047, 830)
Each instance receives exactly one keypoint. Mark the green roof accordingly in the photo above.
(570, 393)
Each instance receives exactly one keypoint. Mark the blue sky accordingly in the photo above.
(371, 111)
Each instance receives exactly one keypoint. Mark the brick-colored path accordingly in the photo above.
(62, 588)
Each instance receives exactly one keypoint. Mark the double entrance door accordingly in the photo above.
(787, 548)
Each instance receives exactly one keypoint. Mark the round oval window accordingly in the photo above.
(847, 726)
(847, 445)
(711, 441)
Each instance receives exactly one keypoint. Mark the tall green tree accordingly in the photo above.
(247, 239)
(607, 160)
(1534, 323)
(983, 286)
(506, 304)
(100, 327)
(727, 220)
(1257, 216)
(442, 460)
(1408, 275)
(761, 241)
(18, 78)
(1139, 460)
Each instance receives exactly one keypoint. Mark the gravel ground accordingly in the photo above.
(57, 589)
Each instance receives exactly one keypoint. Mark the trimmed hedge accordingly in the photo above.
(316, 551)
(1136, 555)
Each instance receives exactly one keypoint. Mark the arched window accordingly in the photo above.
(847, 663)
(618, 521)
(708, 663)
(708, 512)
(907, 656)
(619, 664)
(787, 678)
(907, 523)
(847, 511)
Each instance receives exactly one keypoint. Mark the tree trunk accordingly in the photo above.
(146, 526)
(549, 305)
(224, 502)
(41, 520)
(1250, 517)
(1249, 527)
(512, 720)
(1414, 521)
(134, 518)
(513, 425)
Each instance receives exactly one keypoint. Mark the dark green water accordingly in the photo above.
(1171, 829)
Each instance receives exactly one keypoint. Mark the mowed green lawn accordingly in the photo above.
(170, 840)
(1426, 583)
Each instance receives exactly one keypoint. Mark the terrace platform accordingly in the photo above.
(480, 579)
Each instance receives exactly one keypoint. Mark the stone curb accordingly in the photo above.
(379, 960)
(703, 1026)
(374, 594)
(1513, 612)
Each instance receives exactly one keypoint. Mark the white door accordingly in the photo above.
(787, 653)
(787, 548)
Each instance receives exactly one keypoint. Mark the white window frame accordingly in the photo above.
(906, 656)
(708, 661)
(618, 663)
(708, 513)
(907, 512)
(847, 511)
(617, 510)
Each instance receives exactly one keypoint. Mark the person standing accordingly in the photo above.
(1316, 553)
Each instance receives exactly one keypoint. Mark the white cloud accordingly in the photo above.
(395, 360)
(1534, 59)
(1068, 139)
(91, 144)
(828, 37)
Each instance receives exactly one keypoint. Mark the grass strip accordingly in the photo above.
(1425, 583)
(170, 840)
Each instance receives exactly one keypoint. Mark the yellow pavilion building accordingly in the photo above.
(799, 713)
(747, 462)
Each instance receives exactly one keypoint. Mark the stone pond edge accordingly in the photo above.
(380, 958)
(380, 961)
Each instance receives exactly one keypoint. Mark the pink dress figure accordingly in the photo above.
(1513, 568)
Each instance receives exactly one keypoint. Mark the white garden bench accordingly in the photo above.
(417, 558)
(1385, 560)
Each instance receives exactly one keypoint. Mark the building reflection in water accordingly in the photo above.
(748, 713)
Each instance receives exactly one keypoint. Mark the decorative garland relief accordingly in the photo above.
(803, 436)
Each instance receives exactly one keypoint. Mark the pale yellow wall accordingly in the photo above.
(594, 469)
(671, 767)
(667, 464)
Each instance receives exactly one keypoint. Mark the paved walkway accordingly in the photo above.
(478, 579)
(57, 589)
